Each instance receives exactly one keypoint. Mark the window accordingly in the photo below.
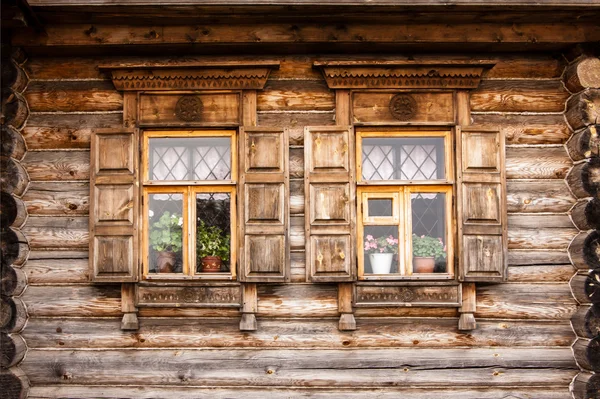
(189, 204)
(404, 197)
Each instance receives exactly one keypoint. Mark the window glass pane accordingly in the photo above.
(213, 232)
(165, 235)
(190, 158)
(429, 232)
(380, 248)
(403, 158)
(380, 207)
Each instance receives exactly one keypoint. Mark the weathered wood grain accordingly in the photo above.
(291, 333)
(541, 238)
(526, 129)
(297, 301)
(583, 74)
(56, 271)
(294, 95)
(53, 198)
(69, 96)
(529, 257)
(519, 96)
(295, 121)
(57, 165)
(586, 321)
(537, 221)
(537, 163)
(543, 273)
(538, 196)
(57, 138)
(75, 301)
(74, 121)
(529, 67)
(14, 178)
(319, 367)
(55, 232)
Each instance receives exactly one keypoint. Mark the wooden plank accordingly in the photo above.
(64, 333)
(541, 274)
(74, 121)
(69, 96)
(528, 257)
(56, 271)
(64, 198)
(49, 138)
(297, 301)
(539, 196)
(375, 107)
(537, 163)
(542, 238)
(57, 165)
(537, 221)
(73, 301)
(57, 232)
(296, 121)
(531, 66)
(294, 95)
(296, 367)
(525, 301)
(526, 129)
(519, 96)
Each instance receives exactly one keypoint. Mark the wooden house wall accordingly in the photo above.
(521, 345)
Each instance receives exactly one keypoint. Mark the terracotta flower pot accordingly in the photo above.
(423, 265)
(165, 261)
(211, 264)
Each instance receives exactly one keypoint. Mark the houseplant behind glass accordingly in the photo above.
(381, 252)
(426, 250)
(212, 247)
(166, 239)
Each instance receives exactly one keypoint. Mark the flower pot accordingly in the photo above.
(211, 264)
(381, 263)
(423, 264)
(165, 261)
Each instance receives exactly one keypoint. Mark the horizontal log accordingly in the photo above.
(537, 221)
(586, 288)
(586, 385)
(584, 250)
(584, 144)
(295, 95)
(519, 96)
(529, 67)
(544, 273)
(525, 301)
(58, 255)
(189, 312)
(296, 197)
(586, 321)
(14, 108)
(526, 129)
(13, 280)
(64, 198)
(590, 176)
(582, 109)
(51, 138)
(578, 213)
(12, 349)
(297, 301)
(75, 301)
(73, 121)
(528, 257)
(15, 383)
(110, 35)
(295, 121)
(296, 163)
(193, 392)
(541, 238)
(12, 210)
(317, 367)
(57, 232)
(14, 245)
(537, 163)
(291, 333)
(297, 236)
(56, 271)
(13, 76)
(12, 144)
(538, 196)
(587, 353)
(14, 178)
(57, 165)
(583, 74)
(13, 315)
(71, 96)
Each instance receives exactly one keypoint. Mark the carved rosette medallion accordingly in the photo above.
(189, 109)
(403, 107)
(406, 295)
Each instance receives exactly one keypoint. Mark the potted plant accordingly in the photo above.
(381, 252)
(426, 250)
(166, 240)
(212, 247)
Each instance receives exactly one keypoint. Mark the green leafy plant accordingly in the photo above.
(212, 241)
(427, 247)
(381, 245)
(166, 234)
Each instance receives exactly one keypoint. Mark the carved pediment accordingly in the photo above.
(402, 74)
(191, 76)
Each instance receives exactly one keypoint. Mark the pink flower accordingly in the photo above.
(370, 237)
(380, 249)
(423, 236)
(367, 246)
(444, 248)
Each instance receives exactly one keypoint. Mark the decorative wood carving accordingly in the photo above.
(189, 108)
(190, 296)
(402, 74)
(406, 294)
(186, 76)
(403, 107)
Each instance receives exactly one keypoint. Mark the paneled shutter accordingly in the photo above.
(481, 193)
(329, 203)
(114, 206)
(264, 216)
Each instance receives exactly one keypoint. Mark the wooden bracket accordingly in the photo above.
(347, 321)
(130, 319)
(468, 307)
(249, 307)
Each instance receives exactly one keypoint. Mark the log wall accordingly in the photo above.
(521, 346)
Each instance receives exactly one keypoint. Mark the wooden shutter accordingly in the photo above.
(264, 216)
(329, 203)
(481, 194)
(114, 206)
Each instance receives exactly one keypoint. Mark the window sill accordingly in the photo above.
(396, 277)
(408, 294)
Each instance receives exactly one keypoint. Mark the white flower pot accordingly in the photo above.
(381, 263)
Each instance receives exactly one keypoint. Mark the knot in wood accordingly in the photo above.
(403, 107)
(189, 108)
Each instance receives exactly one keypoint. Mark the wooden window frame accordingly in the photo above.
(399, 191)
(189, 189)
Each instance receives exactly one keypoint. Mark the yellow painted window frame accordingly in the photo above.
(189, 189)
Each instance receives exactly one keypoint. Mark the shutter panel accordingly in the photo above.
(329, 203)
(481, 192)
(114, 206)
(264, 216)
